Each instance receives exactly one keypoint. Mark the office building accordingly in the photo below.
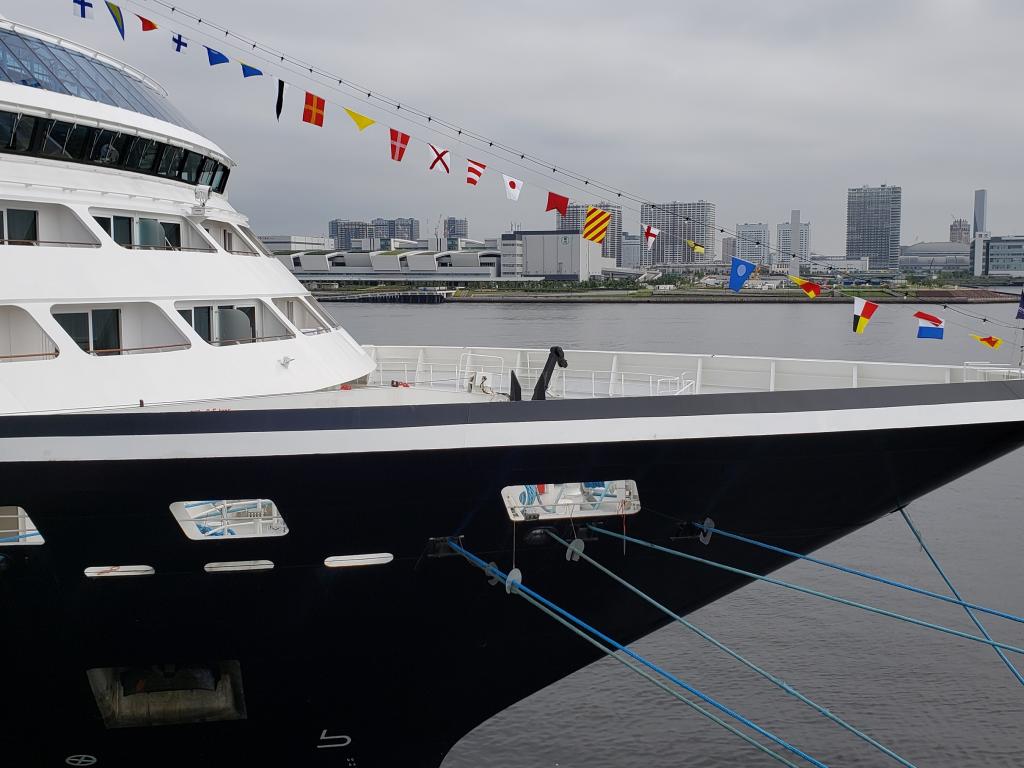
(753, 242)
(960, 232)
(935, 257)
(344, 232)
(728, 248)
(1002, 256)
(403, 229)
(632, 251)
(785, 248)
(980, 213)
(456, 227)
(873, 225)
(678, 223)
(576, 214)
(552, 255)
(296, 242)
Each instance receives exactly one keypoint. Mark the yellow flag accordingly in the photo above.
(361, 121)
(989, 341)
(695, 247)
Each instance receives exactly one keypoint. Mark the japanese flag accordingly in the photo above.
(512, 187)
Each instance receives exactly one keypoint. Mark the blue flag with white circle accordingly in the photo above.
(740, 273)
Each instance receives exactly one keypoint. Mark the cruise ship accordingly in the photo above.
(226, 527)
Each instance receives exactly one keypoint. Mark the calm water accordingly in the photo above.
(934, 699)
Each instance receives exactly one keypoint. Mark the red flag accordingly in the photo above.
(399, 141)
(474, 170)
(314, 110)
(558, 203)
(147, 25)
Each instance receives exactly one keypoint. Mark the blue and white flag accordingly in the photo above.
(929, 326)
(216, 57)
(1020, 306)
(740, 273)
(180, 43)
(248, 71)
(82, 9)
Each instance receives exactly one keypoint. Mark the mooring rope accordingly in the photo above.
(521, 589)
(734, 654)
(809, 591)
(966, 606)
(863, 574)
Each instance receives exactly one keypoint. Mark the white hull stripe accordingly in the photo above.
(499, 435)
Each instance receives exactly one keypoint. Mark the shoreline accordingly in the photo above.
(690, 299)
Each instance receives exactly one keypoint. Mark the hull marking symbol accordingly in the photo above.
(339, 741)
(80, 760)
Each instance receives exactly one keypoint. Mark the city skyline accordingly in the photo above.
(720, 156)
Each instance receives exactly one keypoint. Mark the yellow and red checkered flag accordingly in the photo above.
(595, 225)
(313, 112)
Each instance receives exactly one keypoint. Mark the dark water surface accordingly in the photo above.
(935, 699)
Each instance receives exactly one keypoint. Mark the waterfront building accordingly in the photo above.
(873, 225)
(728, 248)
(678, 223)
(344, 232)
(935, 257)
(296, 242)
(960, 232)
(552, 255)
(786, 248)
(1001, 256)
(575, 215)
(753, 242)
(633, 249)
(456, 227)
(403, 229)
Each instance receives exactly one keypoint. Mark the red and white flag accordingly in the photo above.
(440, 161)
(474, 170)
(399, 142)
(512, 187)
(650, 235)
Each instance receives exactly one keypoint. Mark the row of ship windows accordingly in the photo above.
(208, 520)
(144, 328)
(43, 137)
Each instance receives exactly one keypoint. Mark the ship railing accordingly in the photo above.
(985, 371)
(188, 248)
(51, 243)
(140, 350)
(250, 340)
(30, 356)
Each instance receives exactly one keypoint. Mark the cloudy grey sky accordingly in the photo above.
(757, 106)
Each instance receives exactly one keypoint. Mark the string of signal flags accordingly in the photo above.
(439, 159)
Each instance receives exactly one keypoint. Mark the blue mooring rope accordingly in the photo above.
(809, 591)
(495, 571)
(966, 607)
(864, 574)
(749, 664)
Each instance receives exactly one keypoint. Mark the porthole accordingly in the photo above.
(555, 501)
(239, 565)
(217, 519)
(357, 561)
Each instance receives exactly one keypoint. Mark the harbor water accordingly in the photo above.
(934, 699)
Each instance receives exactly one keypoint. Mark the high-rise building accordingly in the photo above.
(784, 246)
(404, 229)
(343, 232)
(456, 227)
(728, 248)
(680, 222)
(980, 212)
(632, 251)
(960, 232)
(753, 242)
(873, 225)
(576, 214)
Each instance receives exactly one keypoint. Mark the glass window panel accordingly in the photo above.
(46, 55)
(39, 75)
(122, 232)
(23, 133)
(117, 82)
(86, 64)
(172, 234)
(170, 161)
(96, 92)
(147, 161)
(202, 323)
(106, 331)
(190, 168)
(206, 174)
(186, 315)
(7, 122)
(22, 225)
(104, 222)
(80, 142)
(104, 150)
(76, 325)
(55, 139)
(218, 178)
(1, 226)
(151, 234)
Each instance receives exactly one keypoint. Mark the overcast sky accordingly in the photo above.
(757, 106)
